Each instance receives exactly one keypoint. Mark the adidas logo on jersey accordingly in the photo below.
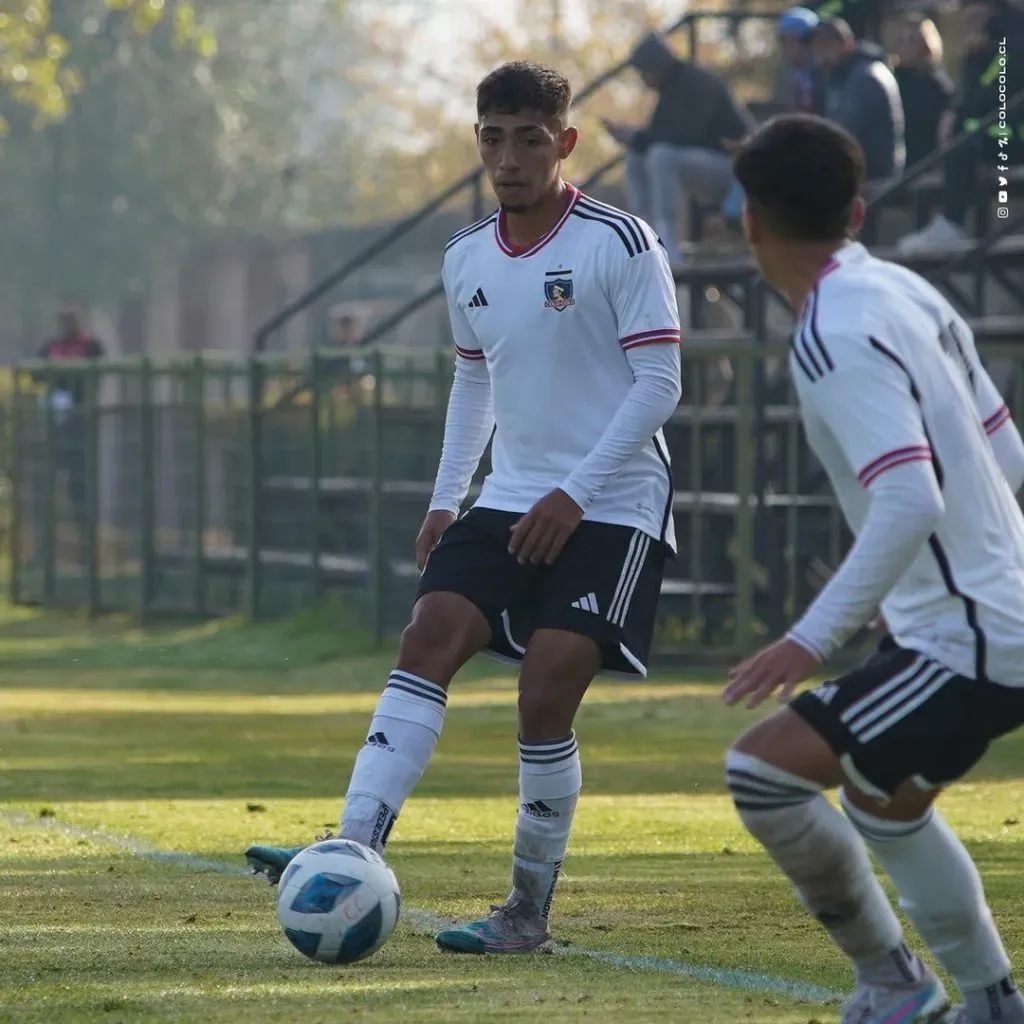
(587, 604)
(478, 300)
(378, 739)
(539, 809)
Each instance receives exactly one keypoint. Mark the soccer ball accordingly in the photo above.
(338, 902)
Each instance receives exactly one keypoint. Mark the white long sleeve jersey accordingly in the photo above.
(924, 459)
(569, 350)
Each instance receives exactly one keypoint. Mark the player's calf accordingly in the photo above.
(445, 632)
(942, 893)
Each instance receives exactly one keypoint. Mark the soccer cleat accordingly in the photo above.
(511, 928)
(926, 1003)
(270, 861)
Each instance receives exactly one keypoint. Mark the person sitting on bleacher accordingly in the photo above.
(862, 96)
(985, 26)
(925, 87)
(685, 145)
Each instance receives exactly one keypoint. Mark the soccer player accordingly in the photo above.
(566, 330)
(924, 460)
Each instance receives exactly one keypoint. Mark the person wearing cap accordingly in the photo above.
(684, 146)
(796, 29)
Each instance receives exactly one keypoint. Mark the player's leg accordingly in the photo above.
(879, 732)
(446, 630)
(595, 612)
(470, 567)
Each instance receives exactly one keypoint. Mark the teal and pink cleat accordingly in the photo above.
(270, 861)
(924, 1003)
(512, 927)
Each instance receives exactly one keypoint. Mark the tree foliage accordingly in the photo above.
(37, 68)
(168, 142)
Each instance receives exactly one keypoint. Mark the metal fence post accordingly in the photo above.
(16, 484)
(147, 485)
(92, 488)
(255, 459)
(316, 458)
(49, 500)
(745, 512)
(199, 511)
(376, 567)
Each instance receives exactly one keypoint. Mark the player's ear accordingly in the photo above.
(750, 226)
(567, 143)
(857, 216)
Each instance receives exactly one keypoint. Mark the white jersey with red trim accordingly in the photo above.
(556, 325)
(887, 373)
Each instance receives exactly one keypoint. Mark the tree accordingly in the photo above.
(165, 146)
(37, 68)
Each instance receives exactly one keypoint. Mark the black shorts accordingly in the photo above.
(605, 584)
(903, 716)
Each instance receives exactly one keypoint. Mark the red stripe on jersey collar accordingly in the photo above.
(519, 252)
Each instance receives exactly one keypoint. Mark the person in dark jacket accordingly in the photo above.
(925, 88)
(992, 31)
(685, 146)
(862, 96)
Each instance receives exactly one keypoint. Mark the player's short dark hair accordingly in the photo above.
(524, 85)
(802, 175)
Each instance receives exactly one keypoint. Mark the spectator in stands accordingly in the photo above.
(985, 26)
(685, 146)
(863, 16)
(925, 88)
(66, 393)
(861, 94)
(796, 29)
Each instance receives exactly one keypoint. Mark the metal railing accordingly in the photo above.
(473, 181)
(141, 498)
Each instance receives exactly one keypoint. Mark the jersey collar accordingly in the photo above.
(501, 235)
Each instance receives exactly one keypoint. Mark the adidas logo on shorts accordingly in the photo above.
(587, 604)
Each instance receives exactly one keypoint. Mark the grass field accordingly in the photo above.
(115, 745)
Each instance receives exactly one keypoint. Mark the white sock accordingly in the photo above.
(825, 859)
(550, 779)
(403, 733)
(941, 892)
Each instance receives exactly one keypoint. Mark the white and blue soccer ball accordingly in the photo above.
(338, 902)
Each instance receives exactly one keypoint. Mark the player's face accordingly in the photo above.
(521, 154)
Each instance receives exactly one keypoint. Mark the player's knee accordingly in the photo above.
(544, 710)
(442, 636)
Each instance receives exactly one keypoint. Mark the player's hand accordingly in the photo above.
(541, 534)
(430, 533)
(784, 664)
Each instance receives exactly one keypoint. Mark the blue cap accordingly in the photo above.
(800, 22)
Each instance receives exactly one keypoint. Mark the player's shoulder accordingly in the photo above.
(622, 234)
(846, 316)
(468, 240)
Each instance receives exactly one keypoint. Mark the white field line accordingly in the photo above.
(429, 922)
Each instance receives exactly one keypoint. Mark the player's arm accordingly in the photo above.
(1003, 435)
(867, 400)
(643, 294)
(470, 417)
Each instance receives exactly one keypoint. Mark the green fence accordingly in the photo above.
(209, 487)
